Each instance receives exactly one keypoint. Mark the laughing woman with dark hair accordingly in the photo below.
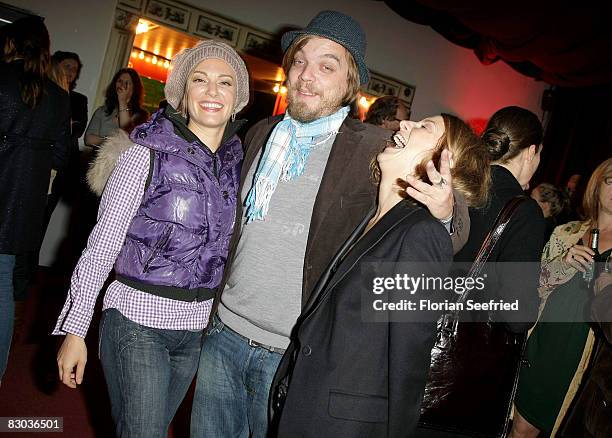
(34, 138)
(122, 108)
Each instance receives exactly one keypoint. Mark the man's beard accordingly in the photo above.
(302, 112)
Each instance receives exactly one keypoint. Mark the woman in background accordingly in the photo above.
(34, 139)
(561, 343)
(122, 108)
(72, 66)
(68, 182)
(553, 201)
(467, 401)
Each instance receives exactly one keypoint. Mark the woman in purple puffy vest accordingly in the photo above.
(165, 221)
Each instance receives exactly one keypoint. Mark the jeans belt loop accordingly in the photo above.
(271, 349)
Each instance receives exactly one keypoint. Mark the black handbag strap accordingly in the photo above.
(500, 224)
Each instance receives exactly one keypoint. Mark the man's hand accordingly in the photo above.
(72, 354)
(438, 196)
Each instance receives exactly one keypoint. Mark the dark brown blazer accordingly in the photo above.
(345, 195)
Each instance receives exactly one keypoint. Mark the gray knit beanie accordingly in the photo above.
(184, 62)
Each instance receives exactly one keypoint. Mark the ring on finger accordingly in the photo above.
(441, 183)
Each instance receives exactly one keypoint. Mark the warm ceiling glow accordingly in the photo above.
(143, 26)
(141, 55)
(154, 60)
(280, 75)
(364, 102)
(283, 90)
(276, 88)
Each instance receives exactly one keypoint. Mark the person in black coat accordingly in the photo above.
(34, 138)
(352, 369)
(66, 183)
(513, 139)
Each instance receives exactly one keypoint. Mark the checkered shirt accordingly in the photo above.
(120, 201)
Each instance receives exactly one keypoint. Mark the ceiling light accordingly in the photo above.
(142, 27)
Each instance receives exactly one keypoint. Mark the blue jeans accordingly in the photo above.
(148, 372)
(233, 383)
(7, 308)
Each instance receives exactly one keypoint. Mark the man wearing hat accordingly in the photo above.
(305, 186)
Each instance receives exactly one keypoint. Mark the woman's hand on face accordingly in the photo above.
(72, 354)
(579, 257)
(438, 196)
(123, 96)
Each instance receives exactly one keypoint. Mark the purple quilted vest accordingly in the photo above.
(180, 235)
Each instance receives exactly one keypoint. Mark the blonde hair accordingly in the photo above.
(352, 87)
(590, 201)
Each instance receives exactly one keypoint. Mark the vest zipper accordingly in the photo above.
(215, 168)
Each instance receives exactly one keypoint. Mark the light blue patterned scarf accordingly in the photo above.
(285, 156)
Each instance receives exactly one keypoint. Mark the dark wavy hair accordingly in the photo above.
(111, 101)
(384, 108)
(557, 198)
(60, 56)
(28, 39)
(509, 131)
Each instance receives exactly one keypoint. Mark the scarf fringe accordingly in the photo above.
(259, 199)
(285, 156)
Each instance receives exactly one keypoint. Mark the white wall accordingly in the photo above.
(448, 78)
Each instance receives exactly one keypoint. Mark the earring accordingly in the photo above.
(233, 116)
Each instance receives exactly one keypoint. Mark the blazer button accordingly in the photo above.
(225, 194)
(307, 350)
(190, 150)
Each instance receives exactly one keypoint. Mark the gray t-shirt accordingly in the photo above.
(263, 295)
(101, 124)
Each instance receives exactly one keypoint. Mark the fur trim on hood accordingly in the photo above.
(102, 166)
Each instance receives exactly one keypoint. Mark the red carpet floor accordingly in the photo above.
(31, 388)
